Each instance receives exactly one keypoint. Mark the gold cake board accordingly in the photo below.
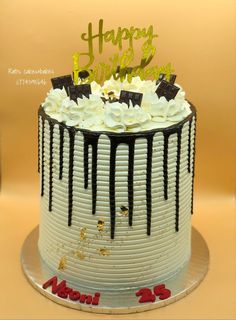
(116, 301)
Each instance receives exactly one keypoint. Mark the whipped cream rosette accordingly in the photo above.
(94, 113)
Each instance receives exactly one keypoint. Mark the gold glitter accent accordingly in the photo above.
(124, 211)
(104, 252)
(62, 264)
(100, 225)
(83, 233)
(79, 254)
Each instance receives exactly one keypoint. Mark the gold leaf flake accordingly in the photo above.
(62, 264)
(104, 252)
(79, 254)
(83, 233)
(100, 225)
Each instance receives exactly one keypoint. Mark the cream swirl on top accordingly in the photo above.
(138, 85)
(119, 117)
(94, 114)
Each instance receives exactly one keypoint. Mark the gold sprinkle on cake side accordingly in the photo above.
(79, 254)
(62, 264)
(100, 225)
(83, 233)
(104, 252)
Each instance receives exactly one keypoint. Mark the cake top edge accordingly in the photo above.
(117, 106)
(171, 129)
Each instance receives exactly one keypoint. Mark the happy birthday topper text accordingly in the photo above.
(120, 64)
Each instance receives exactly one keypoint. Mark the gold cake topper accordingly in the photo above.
(119, 65)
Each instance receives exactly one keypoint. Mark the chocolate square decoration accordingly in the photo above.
(166, 89)
(79, 91)
(135, 97)
(60, 82)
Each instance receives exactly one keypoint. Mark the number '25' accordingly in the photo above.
(146, 294)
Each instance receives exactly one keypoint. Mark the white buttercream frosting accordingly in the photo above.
(53, 102)
(94, 114)
(134, 259)
(119, 117)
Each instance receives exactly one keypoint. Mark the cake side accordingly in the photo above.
(119, 218)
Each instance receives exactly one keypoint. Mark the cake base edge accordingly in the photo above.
(115, 302)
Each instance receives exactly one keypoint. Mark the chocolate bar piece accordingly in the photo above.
(127, 96)
(63, 81)
(166, 89)
(79, 91)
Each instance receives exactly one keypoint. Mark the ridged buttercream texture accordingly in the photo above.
(89, 254)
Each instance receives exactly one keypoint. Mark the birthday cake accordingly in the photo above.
(116, 164)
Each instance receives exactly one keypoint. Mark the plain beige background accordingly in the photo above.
(199, 39)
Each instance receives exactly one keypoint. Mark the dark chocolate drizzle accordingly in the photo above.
(70, 175)
(38, 144)
(42, 158)
(178, 130)
(165, 164)
(51, 128)
(148, 182)
(131, 179)
(189, 145)
(91, 138)
(93, 141)
(112, 186)
(61, 151)
(179, 133)
(193, 166)
(115, 141)
(130, 141)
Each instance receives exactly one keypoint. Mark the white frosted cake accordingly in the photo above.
(116, 164)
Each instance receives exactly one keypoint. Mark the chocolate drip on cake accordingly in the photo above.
(167, 134)
(61, 151)
(131, 179)
(189, 145)
(38, 143)
(130, 141)
(115, 141)
(86, 165)
(193, 167)
(51, 128)
(179, 132)
(93, 141)
(165, 163)
(112, 185)
(70, 174)
(42, 158)
(148, 182)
